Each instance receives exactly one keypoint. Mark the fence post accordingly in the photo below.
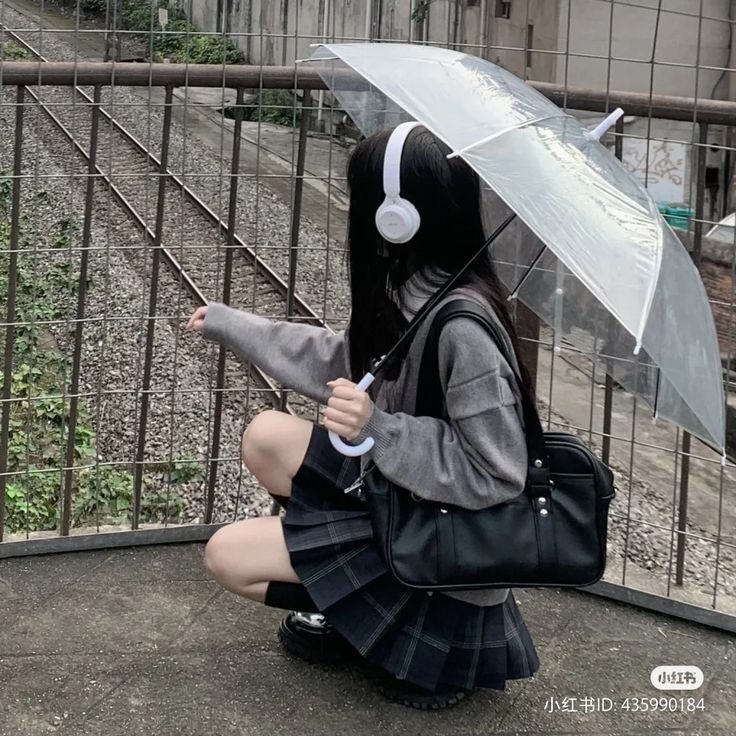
(151, 326)
(79, 327)
(227, 278)
(10, 313)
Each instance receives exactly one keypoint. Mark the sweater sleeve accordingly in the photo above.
(301, 357)
(476, 459)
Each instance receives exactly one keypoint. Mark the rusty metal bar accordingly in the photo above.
(296, 213)
(31, 73)
(10, 314)
(296, 216)
(196, 200)
(226, 282)
(686, 438)
(66, 507)
(161, 199)
(608, 390)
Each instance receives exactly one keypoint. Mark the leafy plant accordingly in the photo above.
(39, 413)
(180, 40)
(273, 106)
(10, 51)
(210, 50)
(107, 495)
(421, 11)
(93, 7)
(30, 501)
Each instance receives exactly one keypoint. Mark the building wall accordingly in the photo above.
(280, 31)
(591, 28)
(590, 32)
(568, 41)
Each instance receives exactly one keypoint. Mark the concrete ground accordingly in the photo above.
(139, 641)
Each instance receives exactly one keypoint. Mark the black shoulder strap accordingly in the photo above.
(429, 388)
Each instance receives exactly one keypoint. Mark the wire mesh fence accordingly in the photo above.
(174, 176)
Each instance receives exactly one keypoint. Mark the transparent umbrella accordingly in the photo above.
(602, 268)
(724, 230)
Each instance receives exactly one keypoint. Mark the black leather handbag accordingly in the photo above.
(552, 534)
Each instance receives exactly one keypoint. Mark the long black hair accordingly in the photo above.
(447, 195)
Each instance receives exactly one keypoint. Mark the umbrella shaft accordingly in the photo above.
(427, 307)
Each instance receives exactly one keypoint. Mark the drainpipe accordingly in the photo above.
(484, 27)
(728, 160)
(284, 29)
(325, 27)
(455, 25)
(368, 19)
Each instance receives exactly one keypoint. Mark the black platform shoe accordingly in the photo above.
(406, 693)
(309, 636)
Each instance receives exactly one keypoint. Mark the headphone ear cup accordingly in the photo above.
(416, 219)
(397, 220)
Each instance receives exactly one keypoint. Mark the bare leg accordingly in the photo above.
(245, 555)
(274, 446)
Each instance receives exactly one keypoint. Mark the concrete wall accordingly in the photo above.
(682, 40)
(280, 31)
(591, 30)
(579, 36)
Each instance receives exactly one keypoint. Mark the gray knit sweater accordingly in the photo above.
(475, 460)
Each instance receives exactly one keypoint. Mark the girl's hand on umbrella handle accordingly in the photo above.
(348, 411)
(196, 321)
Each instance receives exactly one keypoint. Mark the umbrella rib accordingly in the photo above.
(499, 133)
(656, 395)
(518, 286)
(318, 58)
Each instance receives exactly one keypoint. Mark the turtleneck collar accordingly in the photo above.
(415, 291)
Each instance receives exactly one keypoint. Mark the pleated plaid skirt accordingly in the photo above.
(428, 640)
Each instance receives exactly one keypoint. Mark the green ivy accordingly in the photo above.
(93, 7)
(180, 40)
(273, 106)
(10, 51)
(421, 11)
(39, 414)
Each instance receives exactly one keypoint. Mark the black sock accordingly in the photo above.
(291, 596)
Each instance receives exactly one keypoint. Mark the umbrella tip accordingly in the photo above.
(600, 130)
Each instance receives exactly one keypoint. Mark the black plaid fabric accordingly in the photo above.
(429, 640)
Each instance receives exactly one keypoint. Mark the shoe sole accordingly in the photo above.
(319, 651)
(429, 702)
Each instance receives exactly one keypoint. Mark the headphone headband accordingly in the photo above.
(397, 220)
(392, 157)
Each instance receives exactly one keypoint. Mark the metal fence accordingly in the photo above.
(168, 185)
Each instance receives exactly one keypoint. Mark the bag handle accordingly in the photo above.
(429, 390)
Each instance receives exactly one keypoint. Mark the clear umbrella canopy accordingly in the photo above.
(613, 279)
(724, 230)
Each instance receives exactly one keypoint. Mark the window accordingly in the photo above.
(529, 43)
(503, 9)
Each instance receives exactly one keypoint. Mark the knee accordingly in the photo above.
(217, 561)
(260, 442)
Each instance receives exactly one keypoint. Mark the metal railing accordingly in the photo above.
(695, 476)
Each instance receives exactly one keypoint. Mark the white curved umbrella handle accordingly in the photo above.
(368, 442)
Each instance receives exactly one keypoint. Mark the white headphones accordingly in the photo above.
(397, 218)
